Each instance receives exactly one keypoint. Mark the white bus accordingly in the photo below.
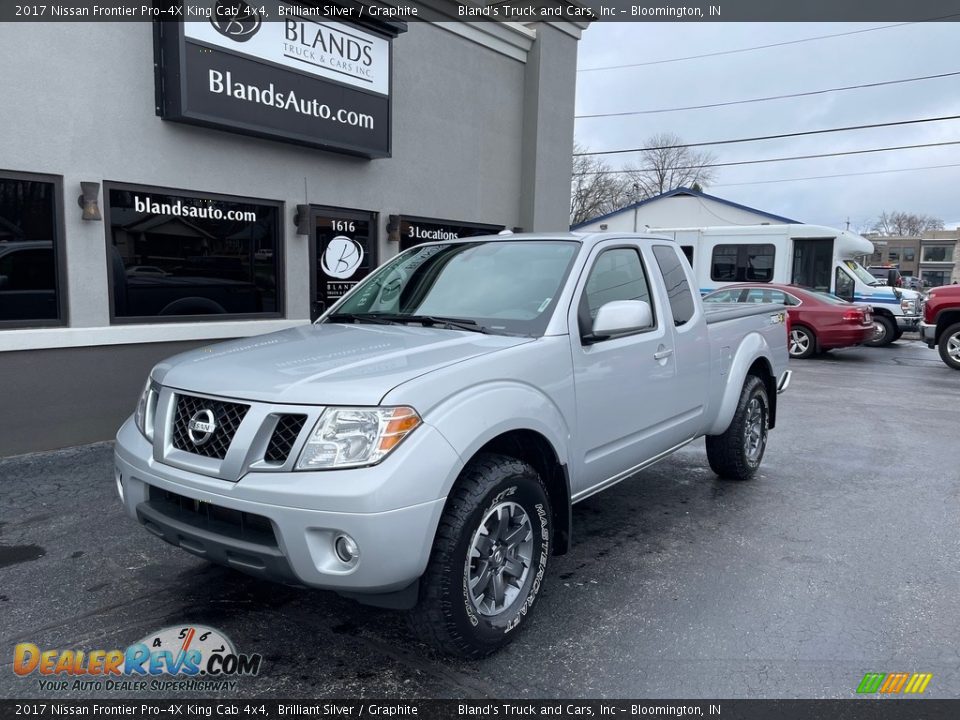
(813, 256)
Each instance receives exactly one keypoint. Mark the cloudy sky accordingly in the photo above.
(888, 53)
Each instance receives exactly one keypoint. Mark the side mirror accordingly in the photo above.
(892, 276)
(621, 316)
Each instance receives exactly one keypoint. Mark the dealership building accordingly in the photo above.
(168, 185)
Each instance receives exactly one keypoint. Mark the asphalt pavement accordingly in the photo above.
(840, 558)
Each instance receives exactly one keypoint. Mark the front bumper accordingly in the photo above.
(908, 322)
(283, 526)
(928, 333)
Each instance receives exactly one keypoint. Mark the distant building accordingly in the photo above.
(681, 207)
(934, 258)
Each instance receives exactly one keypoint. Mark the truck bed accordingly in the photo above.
(719, 312)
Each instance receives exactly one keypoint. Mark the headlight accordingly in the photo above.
(356, 436)
(907, 306)
(146, 409)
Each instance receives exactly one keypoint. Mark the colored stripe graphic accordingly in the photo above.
(893, 683)
(871, 682)
(918, 683)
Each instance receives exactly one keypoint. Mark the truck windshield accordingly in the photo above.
(502, 287)
(861, 273)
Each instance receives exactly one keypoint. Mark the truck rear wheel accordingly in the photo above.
(737, 453)
(949, 346)
(884, 330)
(488, 559)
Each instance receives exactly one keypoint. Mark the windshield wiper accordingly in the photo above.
(357, 317)
(438, 320)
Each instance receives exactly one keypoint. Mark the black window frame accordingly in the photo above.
(279, 252)
(59, 252)
(584, 311)
(741, 266)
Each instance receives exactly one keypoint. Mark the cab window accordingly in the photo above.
(617, 274)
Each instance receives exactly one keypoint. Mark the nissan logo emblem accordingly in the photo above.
(201, 427)
(235, 19)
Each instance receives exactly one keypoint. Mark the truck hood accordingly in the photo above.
(329, 364)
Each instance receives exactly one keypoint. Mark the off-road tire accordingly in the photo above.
(889, 330)
(951, 334)
(729, 454)
(446, 616)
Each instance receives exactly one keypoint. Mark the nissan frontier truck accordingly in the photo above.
(420, 445)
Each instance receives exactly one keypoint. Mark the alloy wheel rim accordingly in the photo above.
(879, 330)
(953, 347)
(499, 558)
(755, 439)
(799, 342)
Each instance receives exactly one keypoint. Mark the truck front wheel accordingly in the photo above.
(736, 454)
(884, 330)
(488, 559)
(949, 346)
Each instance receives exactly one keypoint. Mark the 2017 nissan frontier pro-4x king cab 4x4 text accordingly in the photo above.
(421, 444)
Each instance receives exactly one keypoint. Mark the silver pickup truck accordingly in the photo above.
(420, 446)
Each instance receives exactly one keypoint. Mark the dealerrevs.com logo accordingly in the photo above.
(192, 657)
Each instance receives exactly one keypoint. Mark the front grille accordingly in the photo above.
(226, 415)
(213, 518)
(284, 435)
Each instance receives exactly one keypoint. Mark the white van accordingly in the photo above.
(814, 256)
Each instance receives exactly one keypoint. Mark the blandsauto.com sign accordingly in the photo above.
(279, 75)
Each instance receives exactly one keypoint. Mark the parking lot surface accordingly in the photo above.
(839, 559)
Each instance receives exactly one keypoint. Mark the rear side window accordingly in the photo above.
(675, 280)
(742, 263)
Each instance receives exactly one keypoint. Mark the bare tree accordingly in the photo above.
(594, 189)
(904, 224)
(668, 164)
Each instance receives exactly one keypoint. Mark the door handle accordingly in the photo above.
(662, 354)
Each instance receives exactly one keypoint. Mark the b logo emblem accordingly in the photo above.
(342, 257)
(235, 19)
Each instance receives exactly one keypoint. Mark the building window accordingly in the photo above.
(893, 255)
(743, 263)
(176, 255)
(909, 254)
(937, 253)
(31, 275)
(935, 278)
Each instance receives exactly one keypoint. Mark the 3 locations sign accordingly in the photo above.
(414, 230)
(291, 77)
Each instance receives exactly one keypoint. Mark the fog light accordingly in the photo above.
(118, 476)
(347, 549)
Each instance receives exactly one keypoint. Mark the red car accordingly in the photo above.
(818, 321)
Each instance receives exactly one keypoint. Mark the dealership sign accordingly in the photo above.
(416, 230)
(274, 73)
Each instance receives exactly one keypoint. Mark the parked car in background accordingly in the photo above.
(146, 270)
(818, 321)
(941, 323)
(888, 275)
(913, 283)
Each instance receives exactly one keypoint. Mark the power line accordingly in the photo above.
(769, 97)
(771, 160)
(838, 175)
(772, 137)
(758, 47)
